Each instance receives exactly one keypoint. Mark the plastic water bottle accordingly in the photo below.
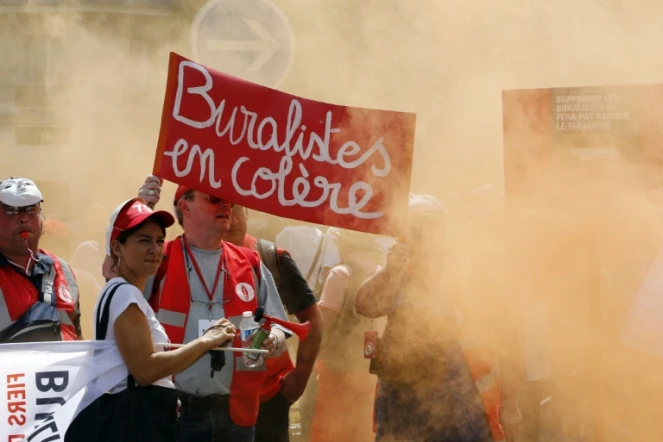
(246, 328)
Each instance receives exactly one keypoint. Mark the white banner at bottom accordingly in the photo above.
(44, 385)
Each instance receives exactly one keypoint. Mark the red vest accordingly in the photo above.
(278, 366)
(174, 302)
(18, 294)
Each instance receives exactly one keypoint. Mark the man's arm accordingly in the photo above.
(332, 297)
(268, 297)
(308, 350)
(376, 295)
(298, 298)
(300, 301)
(294, 383)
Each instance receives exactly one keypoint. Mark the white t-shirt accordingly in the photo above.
(125, 296)
(302, 243)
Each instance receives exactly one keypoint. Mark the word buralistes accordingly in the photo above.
(240, 124)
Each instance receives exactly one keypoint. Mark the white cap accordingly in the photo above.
(420, 204)
(247, 315)
(19, 192)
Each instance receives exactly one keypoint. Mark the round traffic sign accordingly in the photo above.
(249, 39)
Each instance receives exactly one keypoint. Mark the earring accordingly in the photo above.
(118, 261)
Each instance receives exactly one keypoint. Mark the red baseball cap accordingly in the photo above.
(130, 214)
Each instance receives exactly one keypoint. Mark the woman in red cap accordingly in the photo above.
(144, 405)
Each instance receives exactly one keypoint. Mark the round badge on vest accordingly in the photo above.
(65, 295)
(245, 292)
(369, 350)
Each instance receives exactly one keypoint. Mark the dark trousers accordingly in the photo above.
(446, 410)
(201, 422)
(273, 420)
(134, 415)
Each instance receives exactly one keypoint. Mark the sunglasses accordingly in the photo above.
(214, 200)
(29, 210)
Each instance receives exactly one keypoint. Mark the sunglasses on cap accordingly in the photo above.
(28, 210)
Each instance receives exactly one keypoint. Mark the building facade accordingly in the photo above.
(36, 38)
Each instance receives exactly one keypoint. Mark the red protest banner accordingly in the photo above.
(582, 147)
(282, 154)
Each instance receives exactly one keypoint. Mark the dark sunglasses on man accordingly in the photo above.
(214, 200)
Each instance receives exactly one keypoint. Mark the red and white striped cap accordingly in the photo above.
(130, 214)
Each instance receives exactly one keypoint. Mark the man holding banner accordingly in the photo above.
(270, 151)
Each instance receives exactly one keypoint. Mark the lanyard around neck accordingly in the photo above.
(194, 262)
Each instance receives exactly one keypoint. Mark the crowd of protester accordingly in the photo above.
(416, 338)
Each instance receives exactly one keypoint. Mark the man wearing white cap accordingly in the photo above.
(422, 366)
(36, 287)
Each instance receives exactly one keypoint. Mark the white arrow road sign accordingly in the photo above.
(266, 45)
(249, 39)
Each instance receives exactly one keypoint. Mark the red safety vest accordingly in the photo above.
(18, 294)
(174, 302)
(278, 366)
